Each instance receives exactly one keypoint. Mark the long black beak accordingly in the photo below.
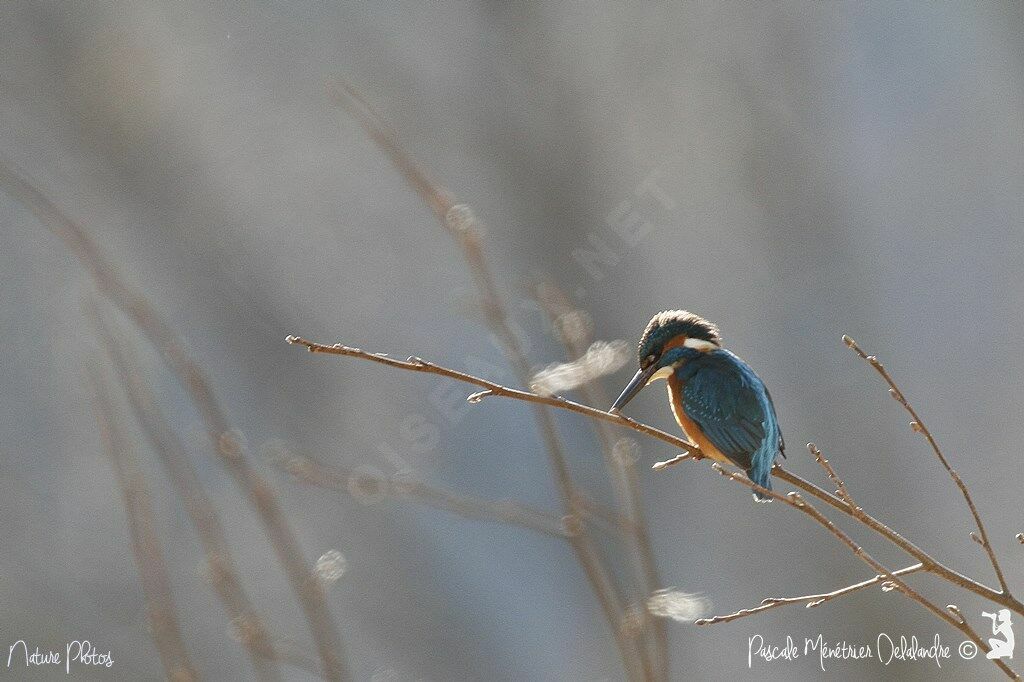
(638, 381)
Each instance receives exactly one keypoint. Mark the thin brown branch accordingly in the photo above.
(161, 612)
(797, 502)
(917, 424)
(356, 483)
(808, 600)
(246, 623)
(678, 459)
(491, 388)
(459, 221)
(931, 564)
(817, 599)
(231, 452)
(572, 329)
(841, 490)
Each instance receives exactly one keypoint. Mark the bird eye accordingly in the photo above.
(649, 360)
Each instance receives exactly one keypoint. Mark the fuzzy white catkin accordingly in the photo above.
(677, 605)
(603, 357)
(330, 567)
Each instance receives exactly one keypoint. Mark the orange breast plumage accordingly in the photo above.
(689, 427)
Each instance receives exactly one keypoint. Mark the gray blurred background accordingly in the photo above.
(820, 168)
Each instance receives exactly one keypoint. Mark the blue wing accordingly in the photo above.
(732, 407)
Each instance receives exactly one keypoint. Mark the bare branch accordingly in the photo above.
(918, 425)
(231, 452)
(419, 365)
(932, 565)
(841, 490)
(493, 389)
(929, 563)
(681, 457)
(161, 611)
(809, 600)
(815, 599)
(795, 501)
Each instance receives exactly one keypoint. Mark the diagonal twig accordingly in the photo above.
(491, 388)
(812, 600)
(841, 489)
(808, 600)
(918, 425)
(796, 501)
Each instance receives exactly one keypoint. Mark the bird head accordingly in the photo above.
(671, 338)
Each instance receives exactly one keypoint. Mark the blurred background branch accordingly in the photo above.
(360, 484)
(161, 610)
(220, 565)
(230, 449)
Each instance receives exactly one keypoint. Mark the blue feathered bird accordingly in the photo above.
(717, 399)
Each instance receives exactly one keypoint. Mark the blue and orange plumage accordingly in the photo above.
(716, 398)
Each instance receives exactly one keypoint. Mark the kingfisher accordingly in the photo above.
(717, 399)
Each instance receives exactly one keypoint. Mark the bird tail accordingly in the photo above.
(764, 480)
